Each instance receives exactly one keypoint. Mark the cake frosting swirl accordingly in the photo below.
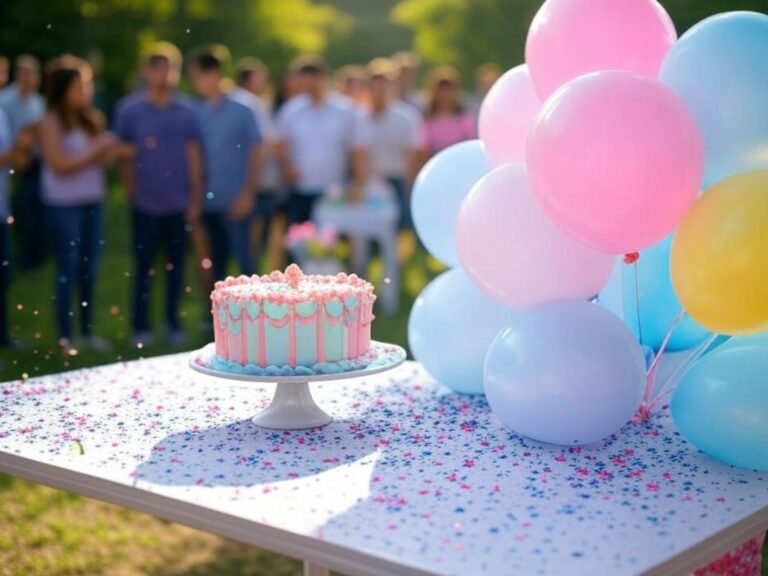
(291, 318)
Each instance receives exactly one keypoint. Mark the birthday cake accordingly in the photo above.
(292, 319)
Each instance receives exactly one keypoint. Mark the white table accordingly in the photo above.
(408, 479)
(374, 220)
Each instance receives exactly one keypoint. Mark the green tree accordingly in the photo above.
(118, 30)
(467, 33)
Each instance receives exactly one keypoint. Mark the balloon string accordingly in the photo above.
(669, 384)
(644, 411)
(637, 303)
(632, 258)
(657, 358)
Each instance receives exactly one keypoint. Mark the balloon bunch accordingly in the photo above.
(587, 181)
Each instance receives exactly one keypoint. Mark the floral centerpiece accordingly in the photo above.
(317, 251)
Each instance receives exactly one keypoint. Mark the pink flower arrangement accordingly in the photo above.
(307, 241)
(308, 233)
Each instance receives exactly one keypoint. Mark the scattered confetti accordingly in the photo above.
(407, 470)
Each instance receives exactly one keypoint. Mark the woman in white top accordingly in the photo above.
(75, 150)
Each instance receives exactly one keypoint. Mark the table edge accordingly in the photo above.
(195, 516)
(310, 549)
(714, 546)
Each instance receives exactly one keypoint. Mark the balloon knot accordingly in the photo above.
(643, 414)
(631, 257)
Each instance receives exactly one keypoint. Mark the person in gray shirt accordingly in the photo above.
(24, 107)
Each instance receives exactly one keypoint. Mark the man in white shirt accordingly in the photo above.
(407, 80)
(251, 76)
(245, 94)
(395, 130)
(321, 141)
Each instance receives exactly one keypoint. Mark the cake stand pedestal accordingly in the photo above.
(292, 406)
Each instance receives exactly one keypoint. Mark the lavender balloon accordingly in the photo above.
(565, 373)
(451, 326)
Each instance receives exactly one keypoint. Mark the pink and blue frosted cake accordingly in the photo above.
(289, 319)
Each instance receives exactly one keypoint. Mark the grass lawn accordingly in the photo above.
(46, 532)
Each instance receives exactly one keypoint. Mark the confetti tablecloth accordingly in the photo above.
(409, 478)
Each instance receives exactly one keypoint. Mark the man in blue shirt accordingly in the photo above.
(162, 171)
(233, 146)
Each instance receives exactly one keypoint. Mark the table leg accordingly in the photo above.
(360, 253)
(391, 290)
(315, 570)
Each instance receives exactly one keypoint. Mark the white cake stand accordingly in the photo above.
(292, 406)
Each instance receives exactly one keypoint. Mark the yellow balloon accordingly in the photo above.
(719, 259)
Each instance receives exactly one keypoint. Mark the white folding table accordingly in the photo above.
(408, 479)
(374, 220)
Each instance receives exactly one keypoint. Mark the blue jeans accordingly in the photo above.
(31, 216)
(403, 200)
(300, 206)
(150, 231)
(228, 238)
(76, 234)
(265, 208)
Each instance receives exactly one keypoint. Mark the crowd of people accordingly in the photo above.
(226, 169)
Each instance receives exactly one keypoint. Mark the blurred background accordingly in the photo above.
(113, 33)
(46, 532)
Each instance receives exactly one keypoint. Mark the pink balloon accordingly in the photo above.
(615, 159)
(514, 253)
(569, 38)
(506, 116)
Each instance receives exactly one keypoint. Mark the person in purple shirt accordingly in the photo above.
(232, 148)
(162, 171)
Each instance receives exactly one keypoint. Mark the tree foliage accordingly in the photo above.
(120, 29)
(467, 33)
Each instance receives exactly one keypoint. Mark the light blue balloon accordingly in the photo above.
(721, 406)
(650, 309)
(438, 193)
(760, 340)
(720, 69)
(565, 373)
(451, 327)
